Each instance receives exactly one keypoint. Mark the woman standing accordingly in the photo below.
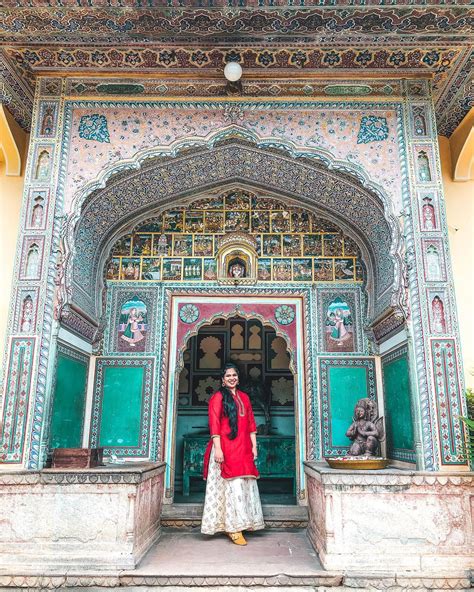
(232, 502)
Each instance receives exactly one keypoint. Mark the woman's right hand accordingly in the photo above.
(218, 455)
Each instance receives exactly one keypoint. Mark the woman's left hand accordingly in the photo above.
(254, 452)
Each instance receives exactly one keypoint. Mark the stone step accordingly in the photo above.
(275, 516)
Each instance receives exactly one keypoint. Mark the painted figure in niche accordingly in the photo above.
(237, 268)
(424, 172)
(42, 166)
(37, 211)
(339, 332)
(32, 261)
(264, 270)
(419, 122)
(433, 265)
(271, 244)
(161, 247)
(26, 315)
(439, 320)
(281, 361)
(132, 326)
(429, 220)
(281, 270)
(210, 269)
(366, 430)
(210, 346)
(113, 269)
(47, 123)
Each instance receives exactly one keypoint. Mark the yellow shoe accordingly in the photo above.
(237, 538)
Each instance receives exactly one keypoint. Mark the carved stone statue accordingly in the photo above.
(366, 431)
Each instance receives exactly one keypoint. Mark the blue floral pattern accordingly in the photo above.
(285, 314)
(372, 129)
(189, 313)
(94, 127)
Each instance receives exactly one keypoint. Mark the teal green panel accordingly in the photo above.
(397, 403)
(68, 403)
(121, 406)
(346, 387)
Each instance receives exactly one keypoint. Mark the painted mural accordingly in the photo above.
(181, 244)
(133, 326)
(339, 333)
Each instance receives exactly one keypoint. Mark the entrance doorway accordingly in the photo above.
(263, 359)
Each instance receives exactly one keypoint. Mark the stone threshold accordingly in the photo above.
(275, 515)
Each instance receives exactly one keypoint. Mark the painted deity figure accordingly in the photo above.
(237, 270)
(424, 173)
(433, 265)
(439, 321)
(26, 315)
(132, 334)
(32, 261)
(429, 221)
(42, 168)
(47, 122)
(366, 430)
(37, 216)
(338, 331)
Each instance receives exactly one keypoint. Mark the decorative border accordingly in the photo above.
(449, 405)
(17, 395)
(402, 454)
(147, 392)
(325, 396)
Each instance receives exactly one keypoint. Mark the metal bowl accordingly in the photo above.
(358, 464)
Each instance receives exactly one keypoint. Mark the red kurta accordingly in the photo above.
(238, 457)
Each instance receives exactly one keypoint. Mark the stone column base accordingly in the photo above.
(56, 519)
(391, 521)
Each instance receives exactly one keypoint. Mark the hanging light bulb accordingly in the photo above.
(233, 71)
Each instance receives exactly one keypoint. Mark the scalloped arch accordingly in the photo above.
(162, 181)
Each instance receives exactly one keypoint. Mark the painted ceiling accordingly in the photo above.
(286, 47)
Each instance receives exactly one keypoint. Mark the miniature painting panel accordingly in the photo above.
(302, 270)
(300, 222)
(312, 245)
(324, 270)
(172, 269)
(282, 390)
(162, 245)
(236, 221)
(214, 222)
(210, 351)
(237, 201)
(141, 245)
(182, 245)
(151, 269)
(260, 221)
(133, 326)
(281, 270)
(291, 245)
(271, 244)
(277, 358)
(264, 271)
(280, 221)
(113, 269)
(344, 269)
(203, 389)
(339, 331)
(350, 247)
(203, 245)
(332, 245)
(210, 269)
(130, 269)
(173, 221)
(194, 222)
(123, 246)
(192, 269)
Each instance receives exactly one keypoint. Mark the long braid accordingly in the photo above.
(230, 406)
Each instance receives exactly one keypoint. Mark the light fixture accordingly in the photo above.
(233, 71)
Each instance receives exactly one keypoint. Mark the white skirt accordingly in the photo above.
(231, 505)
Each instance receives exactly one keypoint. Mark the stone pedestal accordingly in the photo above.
(391, 521)
(57, 519)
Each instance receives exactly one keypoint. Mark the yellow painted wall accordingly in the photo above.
(11, 191)
(460, 212)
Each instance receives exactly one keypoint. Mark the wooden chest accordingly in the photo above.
(77, 458)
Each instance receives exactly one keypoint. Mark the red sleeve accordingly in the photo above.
(251, 419)
(215, 412)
